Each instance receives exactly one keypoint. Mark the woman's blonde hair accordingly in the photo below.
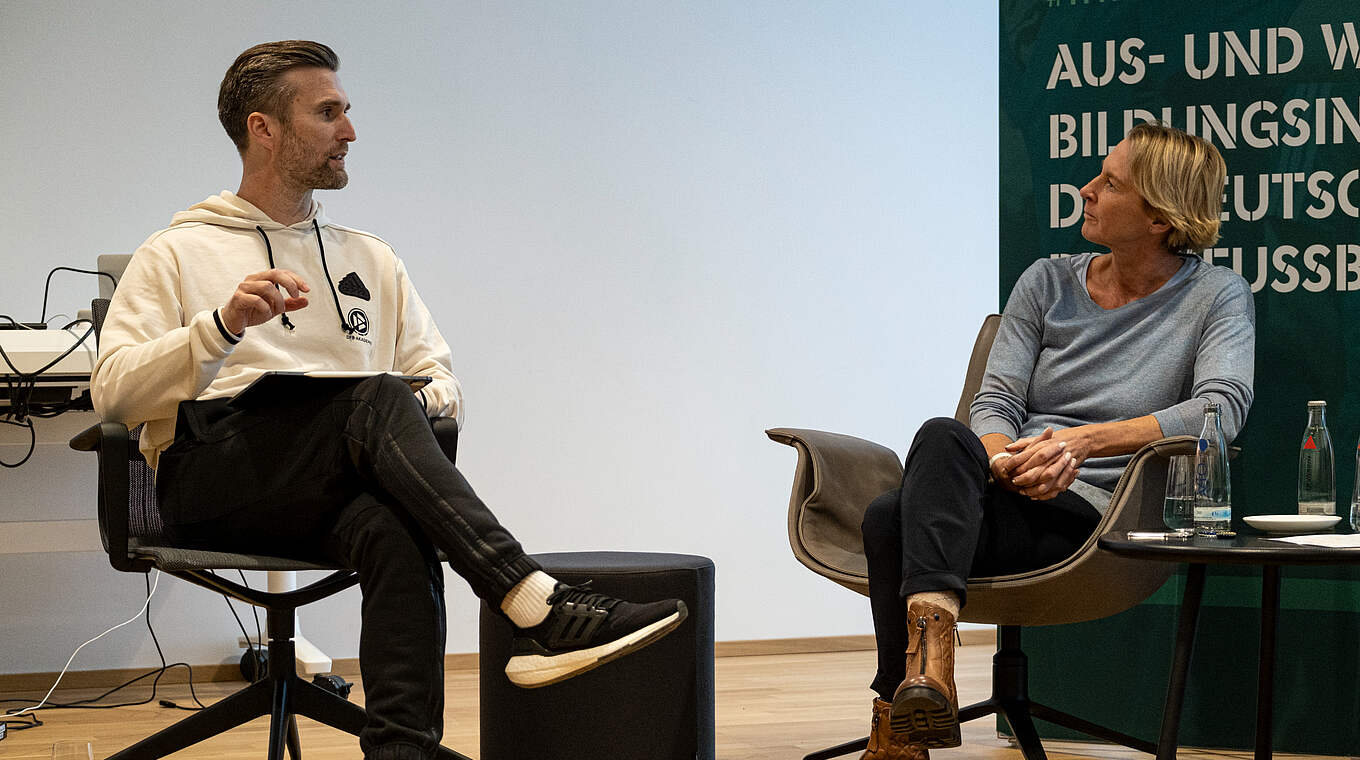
(1181, 177)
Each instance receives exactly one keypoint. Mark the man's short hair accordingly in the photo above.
(255, 82)
(1181, 177)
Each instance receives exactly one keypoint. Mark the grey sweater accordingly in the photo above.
(1060, 360)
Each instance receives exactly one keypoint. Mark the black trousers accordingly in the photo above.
(350, 474)
(946, 523)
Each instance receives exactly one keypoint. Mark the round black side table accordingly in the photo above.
(1199, 552)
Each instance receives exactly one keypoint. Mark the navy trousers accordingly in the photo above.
(948, 522)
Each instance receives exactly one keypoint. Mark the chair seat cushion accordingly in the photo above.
(170, 559)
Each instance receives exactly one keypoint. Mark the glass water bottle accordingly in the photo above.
(1213, 497)
(1317, 484)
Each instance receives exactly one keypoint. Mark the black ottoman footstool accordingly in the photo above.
(654, 704)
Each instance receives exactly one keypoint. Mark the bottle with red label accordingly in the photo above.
(1317, 485)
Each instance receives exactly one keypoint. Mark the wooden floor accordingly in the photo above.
(769, 707)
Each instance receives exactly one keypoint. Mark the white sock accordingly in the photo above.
(945, 600)
(527, 603)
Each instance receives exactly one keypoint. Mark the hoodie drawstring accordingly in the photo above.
(269, 250)
(344, 325)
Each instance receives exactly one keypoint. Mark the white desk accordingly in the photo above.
(31, 350)
(53, 475)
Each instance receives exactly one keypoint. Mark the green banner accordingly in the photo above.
(1275, 84)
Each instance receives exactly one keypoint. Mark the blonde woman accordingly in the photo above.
(1096, 355)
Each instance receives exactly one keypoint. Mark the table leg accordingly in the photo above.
(1180, 663)
(1265, 672)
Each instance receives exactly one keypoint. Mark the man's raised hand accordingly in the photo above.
(258, 299)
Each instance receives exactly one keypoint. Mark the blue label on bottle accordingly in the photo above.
(1204, 444)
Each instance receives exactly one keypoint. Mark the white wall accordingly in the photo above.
(650, 230)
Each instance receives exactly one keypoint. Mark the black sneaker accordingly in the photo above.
(585, 630)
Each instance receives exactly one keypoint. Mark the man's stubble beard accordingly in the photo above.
(301, 172)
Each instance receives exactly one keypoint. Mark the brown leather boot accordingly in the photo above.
(925, 708)
(884, 744)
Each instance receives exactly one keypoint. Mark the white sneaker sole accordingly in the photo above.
(531, 671)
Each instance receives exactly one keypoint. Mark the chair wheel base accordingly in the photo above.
(255, 663)
(334, 684)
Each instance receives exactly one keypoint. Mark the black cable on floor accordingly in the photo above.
(90, 703)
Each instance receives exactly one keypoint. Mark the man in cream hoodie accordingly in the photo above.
(259, 280)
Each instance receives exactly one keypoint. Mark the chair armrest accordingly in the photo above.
(446, 434)
(1137, 500)
(1138, 497)
(841, 467)
(1091, 583)
(114, 446)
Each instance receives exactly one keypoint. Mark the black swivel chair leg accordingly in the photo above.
(1010, 699)
(1022, 726)
(444, 753)
(282, 676)
(312, 701)
(1058, 717)
(294, 741)
(1017, 715)
(280, 717)
(1010, 694)
(858, 745)
(220, 717)
(981, 709)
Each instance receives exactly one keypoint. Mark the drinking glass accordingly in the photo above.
(1178, 509)
(73, 750)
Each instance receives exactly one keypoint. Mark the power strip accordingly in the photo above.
(4, 729)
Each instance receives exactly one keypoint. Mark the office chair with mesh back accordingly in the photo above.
(131, 530)
(838, 475)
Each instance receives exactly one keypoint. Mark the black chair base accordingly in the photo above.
(858, 745)
(1010, 699)
(281, 699)
(282, 695)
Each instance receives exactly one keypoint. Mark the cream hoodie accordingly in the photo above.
(162, 342)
